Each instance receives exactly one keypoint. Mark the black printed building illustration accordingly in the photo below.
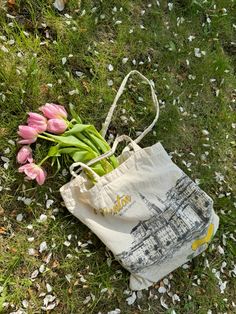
(182, 216)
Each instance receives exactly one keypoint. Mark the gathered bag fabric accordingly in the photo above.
(147, 211)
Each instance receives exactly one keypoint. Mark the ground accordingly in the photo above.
(80, 56)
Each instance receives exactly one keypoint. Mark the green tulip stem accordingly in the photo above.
(43, 160)
(46, 138)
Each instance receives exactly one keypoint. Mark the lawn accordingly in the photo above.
(80, 56)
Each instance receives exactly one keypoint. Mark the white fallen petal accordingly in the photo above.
(43, 218)
(49, 287)
(42, 268)
(19, 217)
(34, 274)
(109, 82)
(205, 132)
(48, 258)
(116, 311)
(59, 5)
(175, 297)
(162, 290)
(49, 203)
(43, 246)
(25, 303)
(68, 277)
(49, 307)
(48, 299)
(31, 251)
(130, 300)
(110, 67)
(64, 60)
(124, 60)
(79, 74)
(223, 286)
(163, 304)
(221, 250)
(197, 52)
(87, 299)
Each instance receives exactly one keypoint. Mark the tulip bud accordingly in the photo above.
(37, 121)
(56, 126)
(34, 171)
(28, 134)
(24, 155)
(53, 111)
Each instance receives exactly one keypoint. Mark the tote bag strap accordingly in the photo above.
(114, 105)
(111, 152)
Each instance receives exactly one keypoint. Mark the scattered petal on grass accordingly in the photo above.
(87, 299)
(109, 83)
(34, 274)
(49, 203)
(221, 250)
(124, 60)
(25, 303)
(175, 297)
(48, 258)
(197, 52)
(110, 67)
(19, 217)
(59, 4)
(42, 247)
(42, 268)
(191, 37)
(49, 307)
(205, 132)
(223, 287)
(48, 299)
(116, 311)
(31, 251)
(67, 243)
(223, 265)
(79, 74)
(130, 300)
(48, 287)
(163, 304)
(64, 60)
(43, 218)
(170, 6)
(162, 290)
(68, 277)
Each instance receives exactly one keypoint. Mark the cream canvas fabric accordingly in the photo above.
(147, 211)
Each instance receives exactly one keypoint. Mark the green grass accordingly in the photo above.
(195, 93)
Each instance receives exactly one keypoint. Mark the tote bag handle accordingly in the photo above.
(114, 105)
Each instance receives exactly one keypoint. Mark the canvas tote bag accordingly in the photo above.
(147, 211)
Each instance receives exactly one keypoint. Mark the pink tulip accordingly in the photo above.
(34, 171)
(37, 121)
(56, 126)
(28, 134)
(24, 155)
(53, 111)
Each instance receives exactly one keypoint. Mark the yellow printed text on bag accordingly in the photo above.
(121, 202)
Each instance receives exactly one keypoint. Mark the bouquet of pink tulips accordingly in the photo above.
(81, 142)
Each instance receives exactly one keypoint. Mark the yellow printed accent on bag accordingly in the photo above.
(120, 203)
(205, 239)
